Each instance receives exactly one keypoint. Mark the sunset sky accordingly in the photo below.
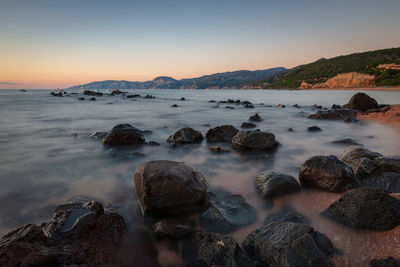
(49, 44)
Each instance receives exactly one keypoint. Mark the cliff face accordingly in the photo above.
(344, 80)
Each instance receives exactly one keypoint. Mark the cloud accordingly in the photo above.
(7, 83)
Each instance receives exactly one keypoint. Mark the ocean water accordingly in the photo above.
(48, 157)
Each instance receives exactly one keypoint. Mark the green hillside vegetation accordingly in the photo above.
(323, 69)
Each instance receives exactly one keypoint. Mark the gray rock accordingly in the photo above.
(273, 184)
(223, 133)
(286, 214)
(124, 134)
(254, 140)
(185, 136)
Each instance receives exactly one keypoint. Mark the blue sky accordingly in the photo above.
(60, 43)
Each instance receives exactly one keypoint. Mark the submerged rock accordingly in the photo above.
(225, 214)
(314, 129)
(204, 249)
(87, 92)
(255, 117)
(273, 184)
(346, 142)
(185, 136)
(362, 102)
(254, 140)
(171, 229)
(78, 233)
(334, 114)
(169, 187)
(286, 214)
(124, 134)
(133, 96)
(219, 149)
(289, 244)
(248, 125)
(223, 133)
(366, 209)
(328, 173)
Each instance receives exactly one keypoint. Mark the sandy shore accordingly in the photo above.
(388, 115)
(394, 88)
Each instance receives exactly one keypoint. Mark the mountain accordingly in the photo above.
(234, 80)
(324, 72)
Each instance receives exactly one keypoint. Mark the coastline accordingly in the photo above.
(394, 88)
(388, 116)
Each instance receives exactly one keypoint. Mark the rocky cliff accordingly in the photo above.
(344, 80)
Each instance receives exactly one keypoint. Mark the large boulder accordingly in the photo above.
(79, 233)
(354, 154)
(273, 184)
(227, 213)
(362, 102)
(223, 133)
(204, 249)
(289, 244)
(169, 187)
(367, 209)
(328, 173)
(286, 214)
(185, 136)
(124, 134)
(254, 140)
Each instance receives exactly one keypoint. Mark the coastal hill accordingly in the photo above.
(367, 69)
(234, 80)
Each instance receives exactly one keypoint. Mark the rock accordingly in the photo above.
(273, 184)
(229, 107)
(317, 106)
(171, 229)
(154, 143)
(174, 106)
(92, 99)
(204, 249)
(81, 98)
(290, 129)
(249, 106)
(388, 182)
(78, 233)
(183, 99)
(296, 106)
(255, 117)
(246, 103)
(328, 173)
(223, 133)
(365, 209)
(149, 97)
(133, 96)
(59, 94)
(354, 154)
(230, 101)
(346, 142)
(169, 187)
(281, 106)
(314, 129)
(124, 134)
(227, 213)
(362, 102)
(254, 140)
(289, 244)
(336, 114)
(334, 106)
(388, 262)
(219, 149)
(247, 125)
(212, 101)
(286, 214)
(87, 92)
(117, 92)
(98, 135)
(186, 136)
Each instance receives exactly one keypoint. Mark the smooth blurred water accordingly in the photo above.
(47, 155)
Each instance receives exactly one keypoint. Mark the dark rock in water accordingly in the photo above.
(186, 136)
(367, 209)
(334, 106)
(183, 99)
(290, 129)
(59, 94)
(227, 213)
(87, 92)
(336, 114)
(356, 155)
(98, 135)
(249, 106)
(169, 187)
(314, 129)
(254, 140)
(117, 92)
(229, 107)
(230, 101)
(273, 184)
(133, 96)
(174, 106)
(171, 229)
(149, 96)
(147, 132)
(78, 233)
(362, 102)
(289, 244)
(286, 214)
(255, 117)
(92, 99)
(219, 149)
(204, 249)
(281, 106)
(317, 106)
(81, 98)
(296, 106)
(124, 134)
(154, 143)
(247, 125)
(388, 182)
(212, 101)
(346, 142)
(328, 173)
(223, 133)
(388, 262)
(246, 103)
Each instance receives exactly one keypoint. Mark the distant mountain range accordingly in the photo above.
(234, 80)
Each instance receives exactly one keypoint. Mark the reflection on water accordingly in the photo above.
(48, 157)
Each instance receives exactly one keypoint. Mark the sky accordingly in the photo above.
(57, 44)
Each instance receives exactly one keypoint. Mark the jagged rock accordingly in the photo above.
(223, 133)
(255, 117)
(248, 125)
(367, 209)
(225, 214)
(273, 184)
(328, 173)
(124, 134)
(185, 136)
(362, 102)
(289, 244)
(204, 249)
(286, 214)
(169, 187)
(254, 140)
